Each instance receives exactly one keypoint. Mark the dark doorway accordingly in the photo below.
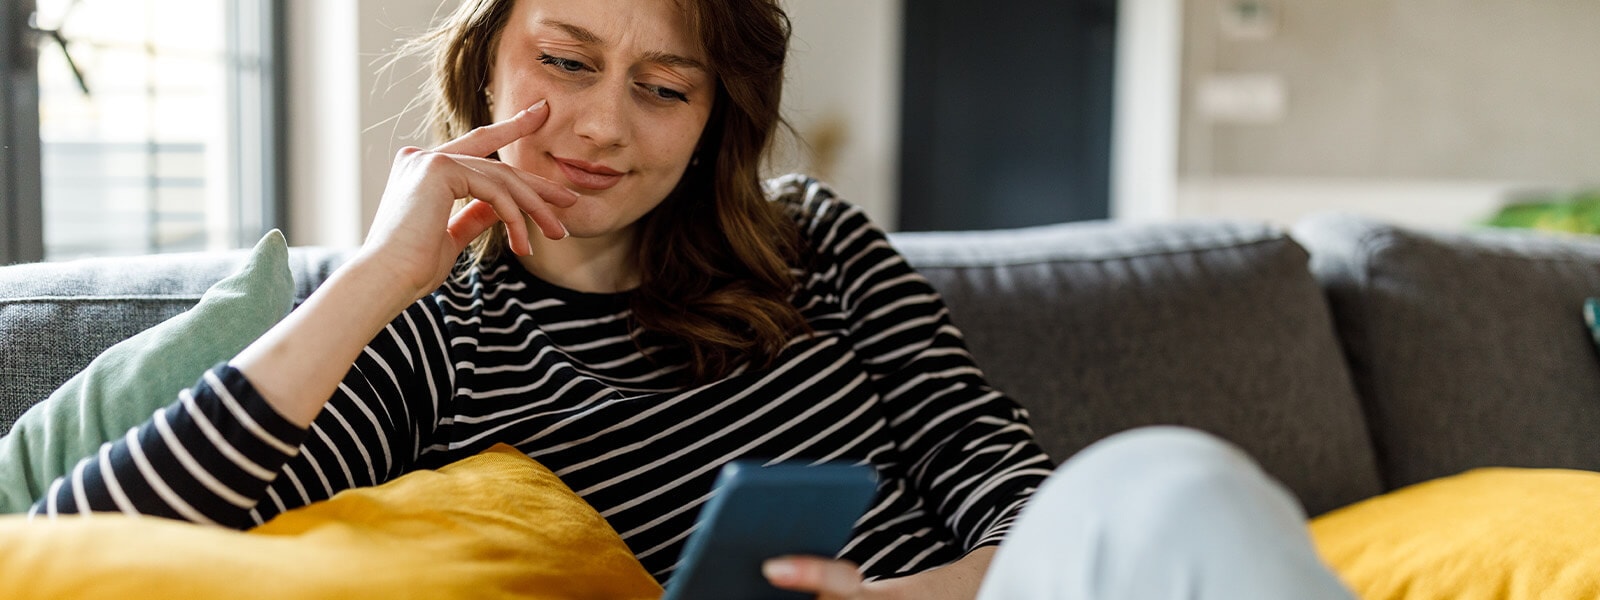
(1006, 112)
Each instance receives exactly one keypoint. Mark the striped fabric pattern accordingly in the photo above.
(499, 356)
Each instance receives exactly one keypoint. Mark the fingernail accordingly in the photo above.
(778, 569)
(564, 232)
(536, 106)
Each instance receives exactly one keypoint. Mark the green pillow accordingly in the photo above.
(131, 380)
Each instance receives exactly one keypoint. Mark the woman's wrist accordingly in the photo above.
(380, 284)
(297, 365)
(960, 579)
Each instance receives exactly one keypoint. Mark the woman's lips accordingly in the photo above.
(588, 175)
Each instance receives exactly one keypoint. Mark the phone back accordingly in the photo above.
(759, 513)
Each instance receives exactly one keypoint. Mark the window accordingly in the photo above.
(155, 126)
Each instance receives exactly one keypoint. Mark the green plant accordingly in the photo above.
(1572, 213)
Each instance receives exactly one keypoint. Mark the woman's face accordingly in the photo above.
(629, 95)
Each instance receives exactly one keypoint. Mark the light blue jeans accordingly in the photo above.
(1160, 513)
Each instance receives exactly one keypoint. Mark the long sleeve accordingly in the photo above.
(222, 455)
(971, 452)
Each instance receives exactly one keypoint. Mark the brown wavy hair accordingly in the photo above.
(715, 255)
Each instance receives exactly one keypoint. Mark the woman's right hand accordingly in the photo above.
(415, 240)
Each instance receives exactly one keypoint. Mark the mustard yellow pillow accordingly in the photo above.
(496, 525)
(1485, 534)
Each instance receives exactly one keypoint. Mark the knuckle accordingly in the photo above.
(434, 160)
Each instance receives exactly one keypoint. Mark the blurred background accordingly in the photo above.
(138, 126)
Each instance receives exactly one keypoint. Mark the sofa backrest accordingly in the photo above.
(56, 317)
(1469, 348)
(1095, 328)
(1101, 327)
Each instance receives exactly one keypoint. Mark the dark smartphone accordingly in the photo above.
(757, 513)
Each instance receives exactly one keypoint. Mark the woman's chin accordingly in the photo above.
(579, 227)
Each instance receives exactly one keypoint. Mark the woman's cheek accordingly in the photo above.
(517, 88)
(525, 154)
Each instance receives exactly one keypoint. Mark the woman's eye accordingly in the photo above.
(665, 93)
(565, 64)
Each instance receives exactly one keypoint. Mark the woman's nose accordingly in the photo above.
(604, 119)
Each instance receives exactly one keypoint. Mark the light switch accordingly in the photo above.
(1242, 98)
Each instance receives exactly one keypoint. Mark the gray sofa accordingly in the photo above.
(1350, 357)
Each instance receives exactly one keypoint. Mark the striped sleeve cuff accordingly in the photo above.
(207, 458)
(230, 396)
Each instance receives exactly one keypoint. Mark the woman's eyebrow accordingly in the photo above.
(674, 60)
(577, 32)
(585, 36)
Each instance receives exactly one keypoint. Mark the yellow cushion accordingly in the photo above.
(496, 525)
(1485, 534)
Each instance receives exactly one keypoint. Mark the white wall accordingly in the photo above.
(844, 81)
(1144, 128)
(322, 114)
(347, 120)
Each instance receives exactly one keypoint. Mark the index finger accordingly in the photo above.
(490, 138)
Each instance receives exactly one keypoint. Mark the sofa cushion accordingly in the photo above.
(1500, 534)
(1099, 327)
(1467, 347)
(56, 317)
(494, 525)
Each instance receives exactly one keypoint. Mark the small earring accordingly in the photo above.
(695, 162)
(488, 98)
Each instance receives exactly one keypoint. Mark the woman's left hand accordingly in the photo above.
(827, 578)
(833, 579)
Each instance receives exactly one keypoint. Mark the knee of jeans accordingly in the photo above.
(1161, 469)
(1162, 451)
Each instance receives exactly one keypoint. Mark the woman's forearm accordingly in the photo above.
(297, 365)
(959, 579)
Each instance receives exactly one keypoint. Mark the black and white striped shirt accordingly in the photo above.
(499, 356)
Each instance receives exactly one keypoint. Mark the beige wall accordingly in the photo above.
(1450, 89)
(1425, 112)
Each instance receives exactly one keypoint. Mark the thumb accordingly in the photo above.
(824, 577)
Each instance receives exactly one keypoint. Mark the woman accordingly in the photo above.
(636, 312)
(621, 299)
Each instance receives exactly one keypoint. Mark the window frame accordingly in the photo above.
(21, 194)
(256, 27)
